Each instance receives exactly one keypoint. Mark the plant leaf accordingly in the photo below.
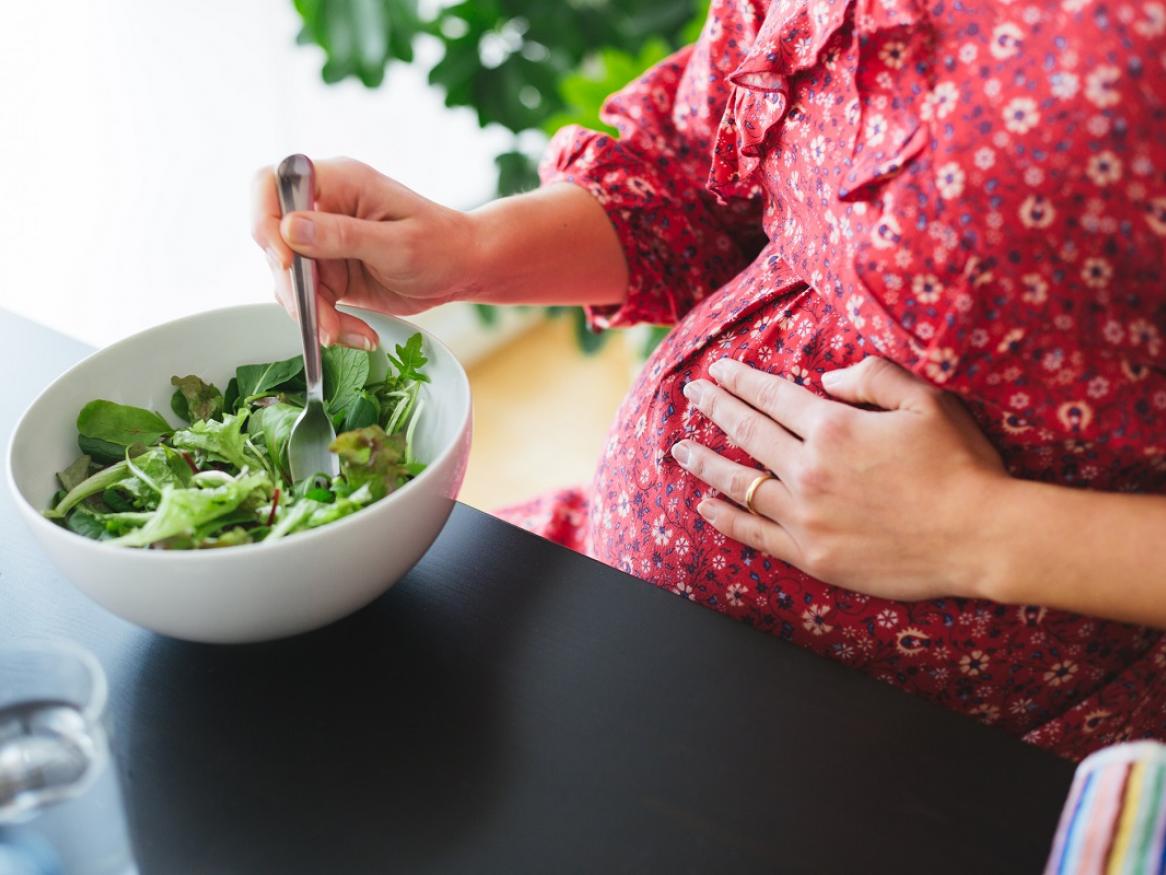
(223, 440)
(345, 373)
(75, 474)
(252, 380)
(364, 411)
(194, 399)
(369, 456)
(410, 359)
(274, 423)
(121, 424)
(182, 511)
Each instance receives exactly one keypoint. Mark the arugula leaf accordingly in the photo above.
(369, 456)
(221, 440)
(274, 423)
(252, 380)
(121, 424)
(345, 373)
(194, 399)
(182, 511)
(75, 474)
(410, 360)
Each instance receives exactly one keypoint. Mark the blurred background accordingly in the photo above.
(131, 130)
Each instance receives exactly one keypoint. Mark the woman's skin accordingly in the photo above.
(908, 501)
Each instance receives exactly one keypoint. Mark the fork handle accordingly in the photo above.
(296, 182)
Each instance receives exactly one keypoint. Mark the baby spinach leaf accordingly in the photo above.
(121, 424)
(252, 380)
(182, 511)
(369, 456)
(194, 399)
(364, 411)
(345, 373)
(85, 522)
(75, 474)
(231, 395)
(102, 452)
(410, 360)
(223, 441)
(120, 498)
(274, 423)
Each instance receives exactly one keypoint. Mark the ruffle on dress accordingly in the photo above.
(790, 40)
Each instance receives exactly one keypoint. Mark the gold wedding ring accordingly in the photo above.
(752, 491)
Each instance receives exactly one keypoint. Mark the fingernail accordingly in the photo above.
(832, 378)
(300, 230)
(358, 341)
(720, 368)
(708, 510)
(273, 259)
(694, 391)
(681, 453)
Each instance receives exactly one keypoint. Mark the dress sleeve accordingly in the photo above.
(680, 242)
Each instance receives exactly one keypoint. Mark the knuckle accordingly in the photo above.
(811, 478)
(745, 429)
(769, 395)
(820, 559)
(832, 426)
(737, 483)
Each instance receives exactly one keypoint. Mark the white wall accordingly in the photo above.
(129, 130)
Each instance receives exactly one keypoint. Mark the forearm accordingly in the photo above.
(1095, 553)
(550, 246)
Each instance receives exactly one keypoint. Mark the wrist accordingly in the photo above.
(1000, 518)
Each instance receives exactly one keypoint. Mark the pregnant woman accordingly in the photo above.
(914, 254)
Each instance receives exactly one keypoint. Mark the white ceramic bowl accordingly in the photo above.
(251, 592)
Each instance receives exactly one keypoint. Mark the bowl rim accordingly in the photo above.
(36, 517)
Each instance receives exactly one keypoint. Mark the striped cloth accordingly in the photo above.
(1114, 821)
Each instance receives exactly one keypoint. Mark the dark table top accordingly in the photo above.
(512, 706)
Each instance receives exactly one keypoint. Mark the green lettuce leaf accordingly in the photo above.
(95, 483)
(274, 424)
(182, 511)
(222, 441)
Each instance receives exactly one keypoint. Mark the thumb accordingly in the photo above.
(879, 382)
(331, 235)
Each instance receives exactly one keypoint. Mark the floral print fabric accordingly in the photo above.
(976, 191)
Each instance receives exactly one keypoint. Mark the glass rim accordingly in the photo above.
(98, 691)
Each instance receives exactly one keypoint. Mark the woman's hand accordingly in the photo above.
(895, 502)
(381, 246)
(377, 245)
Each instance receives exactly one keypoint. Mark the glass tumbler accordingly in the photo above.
(61, 810)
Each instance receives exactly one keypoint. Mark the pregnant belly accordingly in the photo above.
(1022, 668)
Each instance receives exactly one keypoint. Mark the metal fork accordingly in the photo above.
(308, 452)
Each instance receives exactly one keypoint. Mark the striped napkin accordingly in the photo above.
(1114, 821)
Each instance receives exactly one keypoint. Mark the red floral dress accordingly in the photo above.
(974, 190)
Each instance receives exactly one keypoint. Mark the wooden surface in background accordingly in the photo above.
(541, 414)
